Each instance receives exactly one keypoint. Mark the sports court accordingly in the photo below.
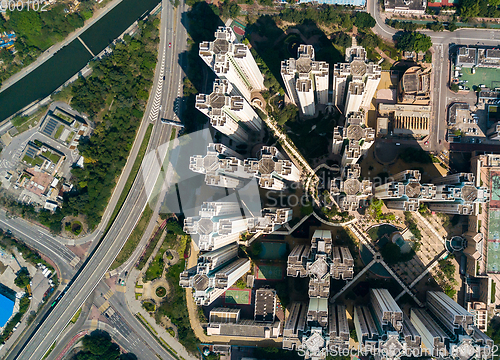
(483, 76)
(237, 296)
(495, 190)
(273, 250)
(269, 272)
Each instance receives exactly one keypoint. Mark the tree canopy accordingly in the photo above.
(364, 20)
(413, 41)
(98, 346)
(23, 278)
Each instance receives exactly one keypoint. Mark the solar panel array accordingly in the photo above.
(31, 152)
(49, 127)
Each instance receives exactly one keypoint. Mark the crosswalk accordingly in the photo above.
(155, 109)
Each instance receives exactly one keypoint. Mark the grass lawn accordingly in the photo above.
(70, 137)
(59, 131)
(76, 316)
(52, 157)
(133, 174)
(134, 238)
(155, 270)
(36, 161)
(23, 123)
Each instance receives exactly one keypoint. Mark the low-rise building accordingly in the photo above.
(407, 119)
(416, 7)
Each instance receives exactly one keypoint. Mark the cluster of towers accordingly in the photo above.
(217, 229)
(318, 324)
(451, 194)
(442, 329)
(307, 81)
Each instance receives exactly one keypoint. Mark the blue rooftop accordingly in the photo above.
(6, 308)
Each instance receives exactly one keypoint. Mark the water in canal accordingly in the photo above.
(69, 60)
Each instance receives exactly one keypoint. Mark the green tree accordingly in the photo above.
(435, 26)
(23, 278)
(364, 20)
(454, 87)
(452, 26)
(340, 38)
(414, 41)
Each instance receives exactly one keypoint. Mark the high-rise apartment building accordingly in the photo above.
(452, 194)
(218, 224)
(232, 61)
(225, 168)
(231, 115)
(350, 189)
(209, 281)
(389, 315)
(306, 80)
(221, 223)
(359, 138)
(356, 81)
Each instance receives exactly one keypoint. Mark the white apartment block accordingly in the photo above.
(232, 61)
(208, 287)
(356, 81)
(225, 168)
(360, 138)
(231, 115)
(218, 224)
(453, 194)
(389, 314)
(306, 80)
(272, 168)
(351, 188)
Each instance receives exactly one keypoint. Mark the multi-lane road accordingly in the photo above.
(173, 33)
(441, 95)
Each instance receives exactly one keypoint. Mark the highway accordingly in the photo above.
(441, 94)
(94, 269)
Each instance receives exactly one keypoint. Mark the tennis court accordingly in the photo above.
(237, 296)
(273, 250)
(494, 225)
(269, 272)
(495, 190)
